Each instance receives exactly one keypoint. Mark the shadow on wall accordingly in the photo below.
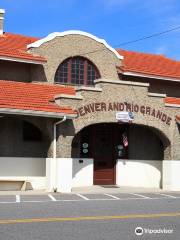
(78, 164)
(66, 129)
(15, 185)
(147, 143)
(75, 150)
(38, 74)
(178, 128)
(21, 138)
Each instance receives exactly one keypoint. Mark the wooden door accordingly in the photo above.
(103, 154)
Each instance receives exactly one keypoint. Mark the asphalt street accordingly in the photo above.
(90, 216)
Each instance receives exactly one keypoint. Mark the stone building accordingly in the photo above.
(76, 112)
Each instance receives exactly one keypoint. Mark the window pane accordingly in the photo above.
(77, 70)
(91, 74)
(62, 73)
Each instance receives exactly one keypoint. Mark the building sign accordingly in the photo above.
(124, 116)
(123, 106)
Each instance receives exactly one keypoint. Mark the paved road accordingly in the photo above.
(90, 216)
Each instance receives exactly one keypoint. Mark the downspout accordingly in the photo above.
(54, 138)
(55, 146)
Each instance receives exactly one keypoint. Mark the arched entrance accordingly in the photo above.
(23, 152)
(108, 143)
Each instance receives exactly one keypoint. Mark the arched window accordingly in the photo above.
(77, 71)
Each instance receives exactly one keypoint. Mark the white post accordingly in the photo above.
(64, 174)
(171, 170)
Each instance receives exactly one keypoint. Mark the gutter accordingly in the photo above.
(22, 60)
(54, 137)
(146, 75)
(35, 113)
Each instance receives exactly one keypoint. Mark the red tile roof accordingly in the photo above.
(150, 64)
(15, 46)
(33, 96)
(178, 118)
(172, 100)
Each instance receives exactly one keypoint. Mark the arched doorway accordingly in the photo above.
(108, 143)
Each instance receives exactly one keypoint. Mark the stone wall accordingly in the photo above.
(170, 88)
(121, 92)
(61, 48)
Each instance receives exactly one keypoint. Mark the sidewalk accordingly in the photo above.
(90, 190)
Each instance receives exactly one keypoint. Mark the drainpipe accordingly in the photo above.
(54, 139)
(54, 147)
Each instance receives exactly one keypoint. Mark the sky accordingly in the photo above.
(116, 21)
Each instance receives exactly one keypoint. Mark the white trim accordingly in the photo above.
(150, 76)
(51, 36)
(2, 10)
(1, 33)
(172, 105)
(35, 113)
(140, 195)
(93, 89)
(52, 197)
(122, 82)
(161, 95)
(167, 195)
(13, 59)
(68, 96)
(1, 18)
(82, 196)
(18, 199)
(112, 196)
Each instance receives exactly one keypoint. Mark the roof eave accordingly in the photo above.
(22, 60)
(173, 105)
(145, 75)
(33, 113)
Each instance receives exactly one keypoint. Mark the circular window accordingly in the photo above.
(77, 71)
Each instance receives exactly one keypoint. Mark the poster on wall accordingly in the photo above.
(124, 116)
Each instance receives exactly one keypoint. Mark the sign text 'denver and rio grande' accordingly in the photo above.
(120, 106)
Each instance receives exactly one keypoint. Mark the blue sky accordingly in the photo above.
(116, 21)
